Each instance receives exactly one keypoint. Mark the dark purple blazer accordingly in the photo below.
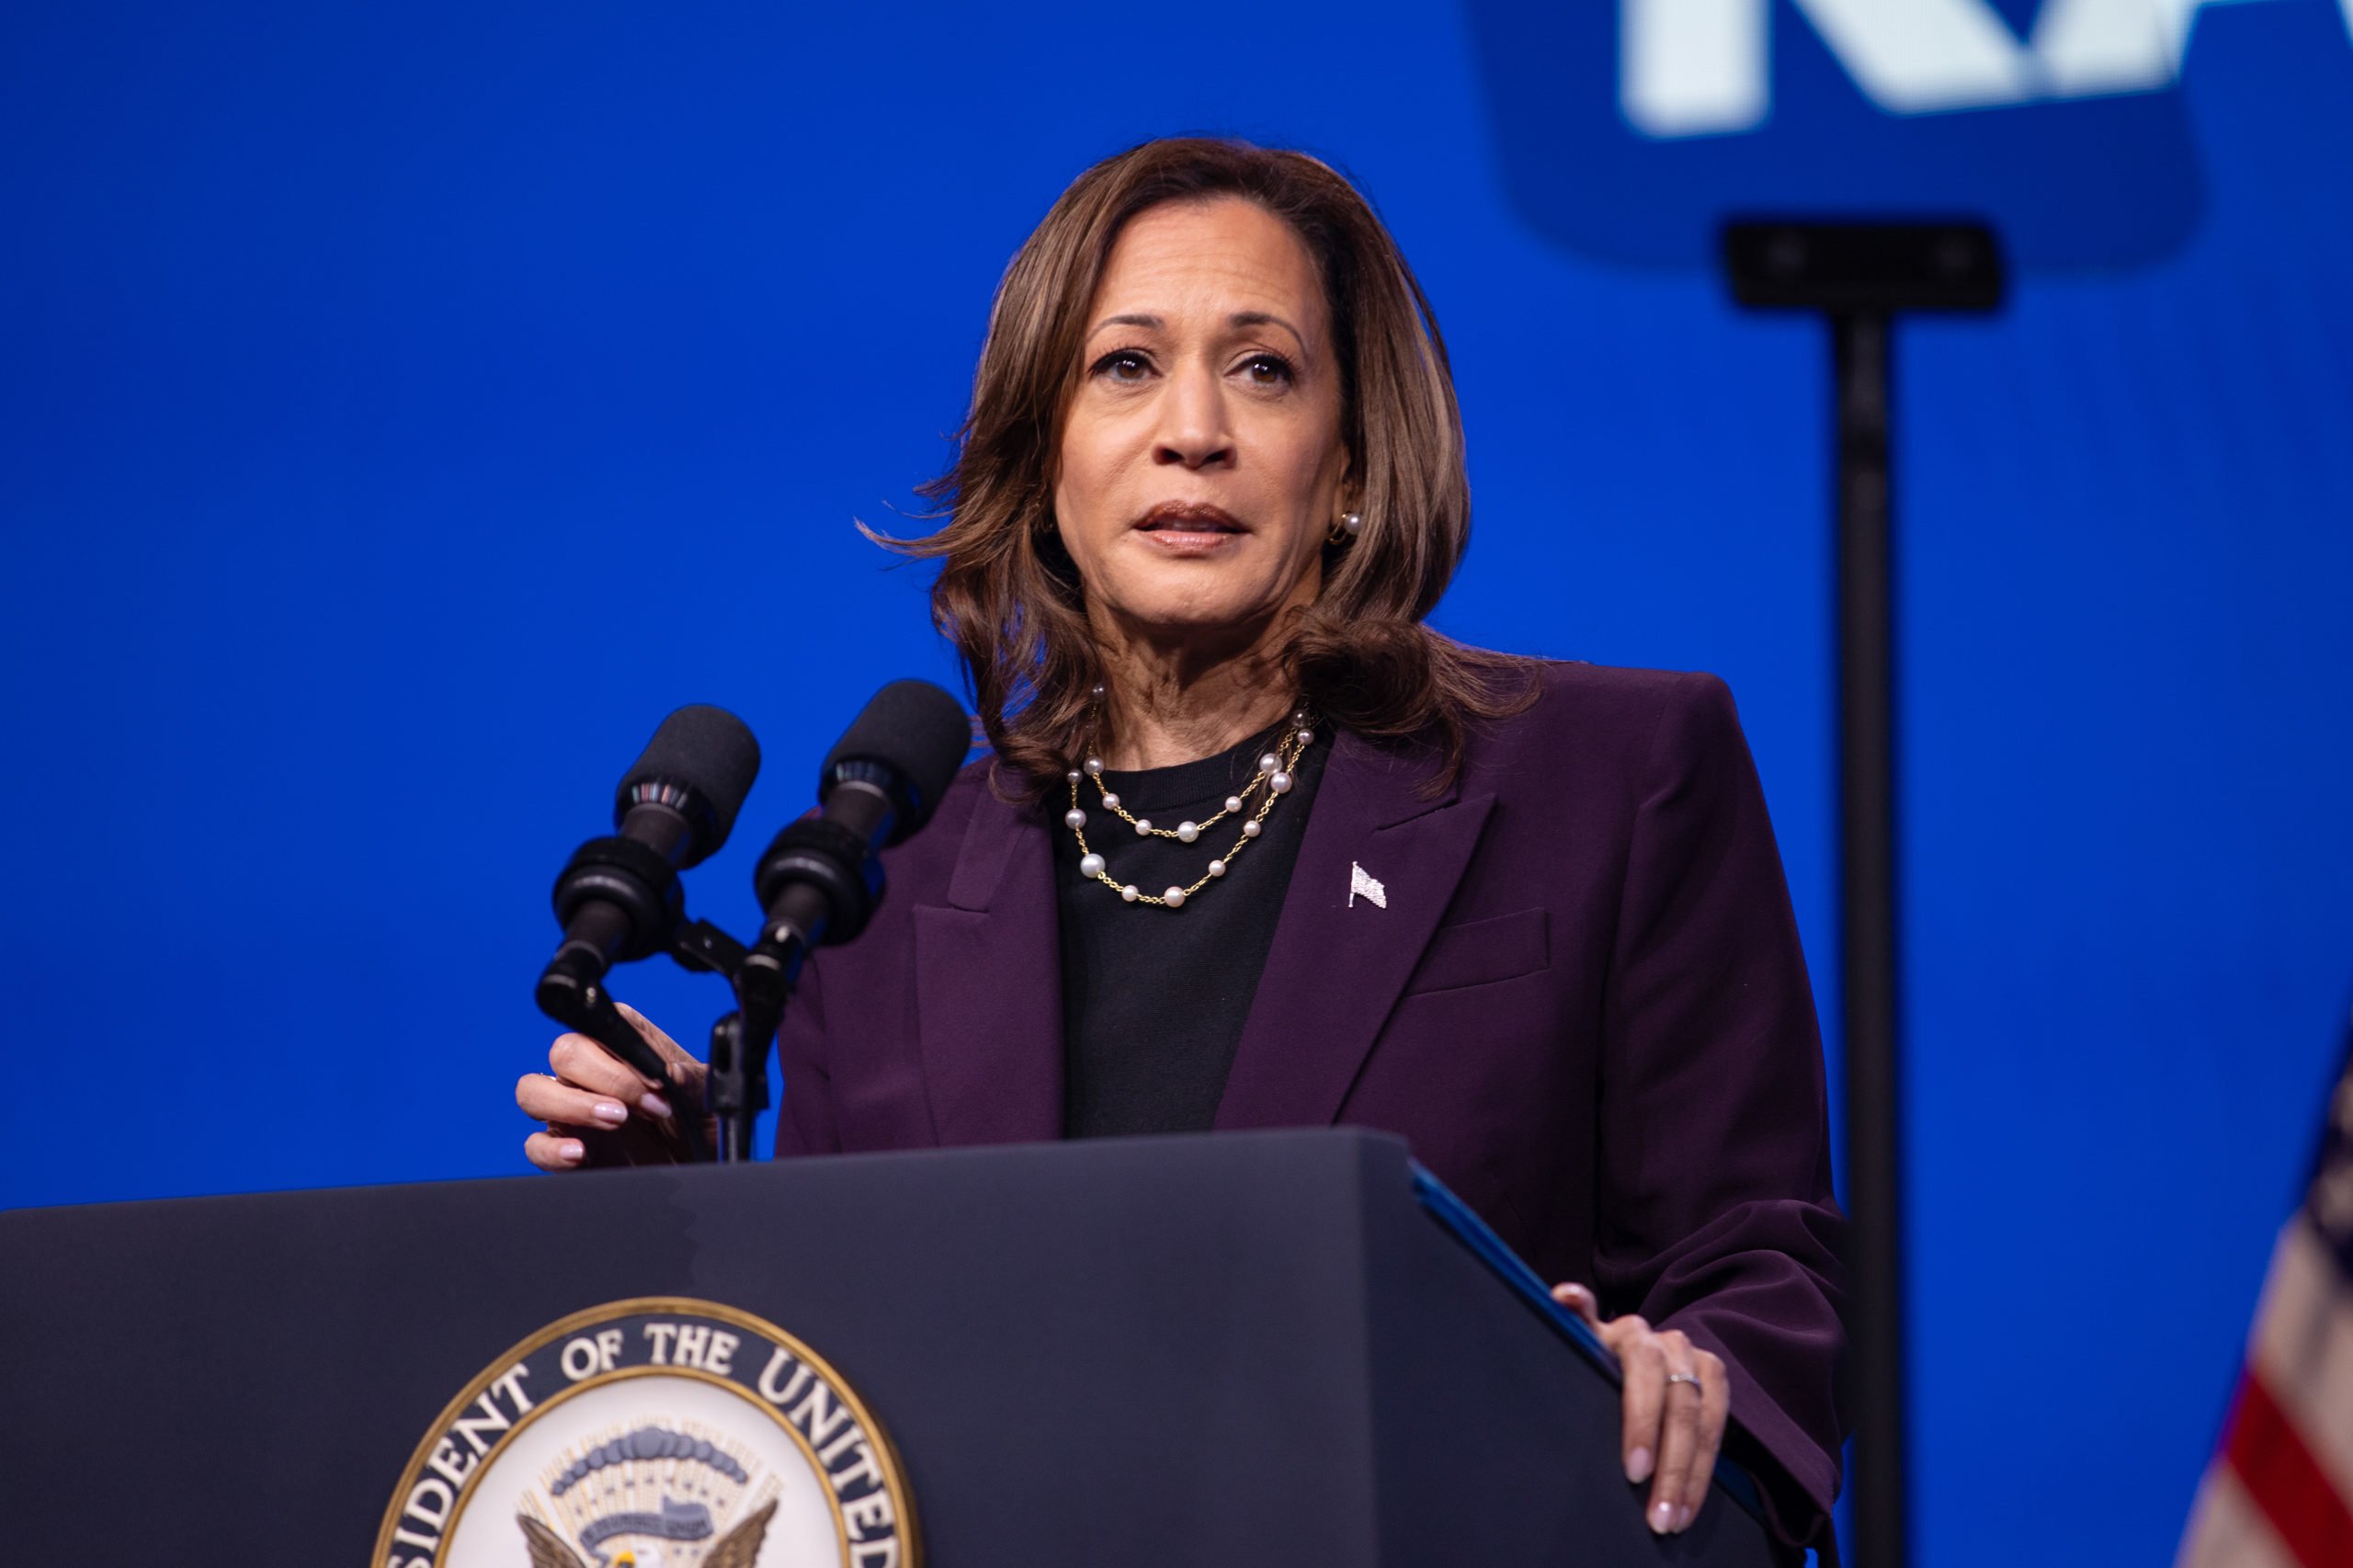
(1584, 1006)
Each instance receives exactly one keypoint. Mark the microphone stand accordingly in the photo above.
(820, 881)
(822, 877)
(737, 1088)
(572, 992)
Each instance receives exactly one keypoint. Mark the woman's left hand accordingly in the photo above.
(1677, 1402)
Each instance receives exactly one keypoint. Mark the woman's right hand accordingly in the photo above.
(600, 1111)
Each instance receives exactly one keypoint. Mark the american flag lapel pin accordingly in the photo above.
(1358, 882)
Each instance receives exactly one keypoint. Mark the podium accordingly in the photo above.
(1274, 1347)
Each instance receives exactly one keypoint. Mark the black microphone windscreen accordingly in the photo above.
(711, 752)
(916, 732)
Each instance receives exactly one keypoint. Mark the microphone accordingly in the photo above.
(619, 899)
(820, 880)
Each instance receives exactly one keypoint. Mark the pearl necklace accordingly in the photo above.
(1275, 770)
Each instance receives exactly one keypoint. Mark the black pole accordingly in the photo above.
(1859, 276)
(1860, 353)
(736, 1088)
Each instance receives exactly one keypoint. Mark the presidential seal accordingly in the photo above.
(654, 1433)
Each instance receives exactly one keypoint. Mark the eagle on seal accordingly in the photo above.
(739, 1547)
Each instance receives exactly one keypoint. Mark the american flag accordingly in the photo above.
(2279, 1491)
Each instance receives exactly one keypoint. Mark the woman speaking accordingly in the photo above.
(1254, 846)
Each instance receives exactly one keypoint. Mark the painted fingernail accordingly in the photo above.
(612, 1113)
(1661, 1517)
(654, 1105)
(1638, 1466)
(1682, 1518)
(571, 1150)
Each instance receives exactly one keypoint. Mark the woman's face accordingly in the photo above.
(1201, 461)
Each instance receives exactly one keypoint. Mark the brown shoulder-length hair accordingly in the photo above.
(1008, 595)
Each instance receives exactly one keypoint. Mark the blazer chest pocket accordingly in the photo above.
(1481, 953)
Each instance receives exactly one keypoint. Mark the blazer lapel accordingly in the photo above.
(988, 987)
(1337, 969)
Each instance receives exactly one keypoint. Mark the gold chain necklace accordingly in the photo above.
(1277, 770)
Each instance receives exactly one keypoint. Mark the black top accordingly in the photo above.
(1154, 999)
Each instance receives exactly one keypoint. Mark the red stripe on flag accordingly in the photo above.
(2286, 1482)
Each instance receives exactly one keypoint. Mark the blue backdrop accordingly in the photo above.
(402, 408)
